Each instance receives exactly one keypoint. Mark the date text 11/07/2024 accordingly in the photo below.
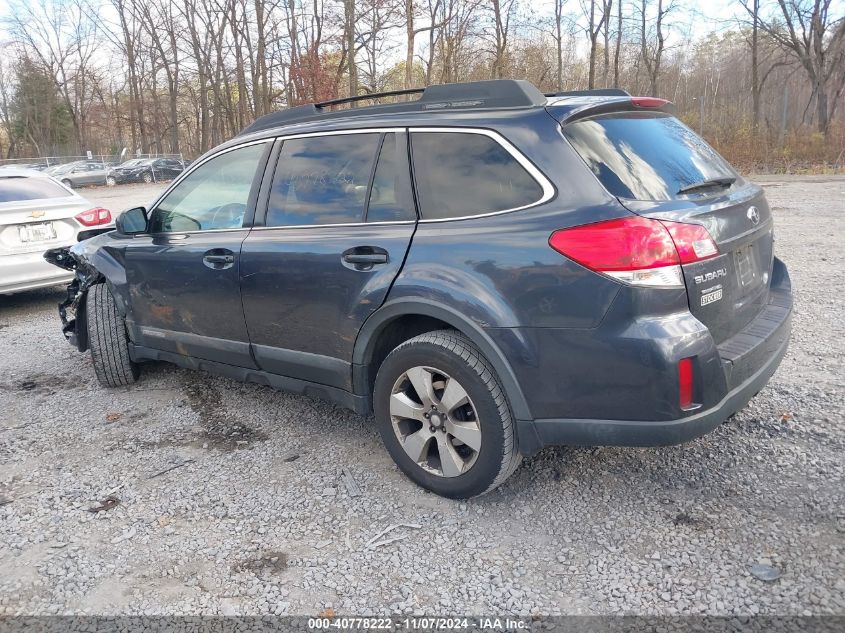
(418, 624)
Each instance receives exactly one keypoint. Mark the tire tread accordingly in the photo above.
(107, 339)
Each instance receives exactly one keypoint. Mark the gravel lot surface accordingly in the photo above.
(233, 498)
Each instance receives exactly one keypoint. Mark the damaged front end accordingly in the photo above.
(72, 309)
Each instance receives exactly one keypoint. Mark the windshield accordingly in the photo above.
(20, 188)
(647, 156)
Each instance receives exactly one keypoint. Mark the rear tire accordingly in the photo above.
(67, 183)
(107, 339)
(405, 420)
(147, 177)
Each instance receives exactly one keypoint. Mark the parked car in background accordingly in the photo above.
(36, 213)
(148, 170)
(82, 173)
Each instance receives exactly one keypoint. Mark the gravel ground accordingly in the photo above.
(256, 517)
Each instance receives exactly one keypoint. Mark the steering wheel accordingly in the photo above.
(228, 216)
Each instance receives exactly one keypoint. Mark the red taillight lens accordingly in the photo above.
(94, 217)
(635, 249)
(631, 243)
(648, 102)
(685, 382)
(692, 241)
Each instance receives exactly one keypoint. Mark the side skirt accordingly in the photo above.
(358, 404)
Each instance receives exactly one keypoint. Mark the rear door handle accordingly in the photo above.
(364, 257)
(218, 259)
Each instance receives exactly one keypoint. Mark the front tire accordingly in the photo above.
(108, 340)
(111, 181)
(443, 416)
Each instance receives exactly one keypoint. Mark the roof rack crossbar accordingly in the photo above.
(499, 93)
(367, 97)
(595, 92)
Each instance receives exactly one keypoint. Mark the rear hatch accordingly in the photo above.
(657, 167)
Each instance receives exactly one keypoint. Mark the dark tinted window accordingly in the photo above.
(460, 174)
(641, 156)
(17, 188)
(214, 196)
(322, 180)
(390, 196)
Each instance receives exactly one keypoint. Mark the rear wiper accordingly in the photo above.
(724, 181)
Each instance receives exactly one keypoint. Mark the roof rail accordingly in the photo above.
(596, 92)
(497, 93)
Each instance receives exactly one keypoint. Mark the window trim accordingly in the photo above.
(539, 177)
(196, 166)
(548, 188)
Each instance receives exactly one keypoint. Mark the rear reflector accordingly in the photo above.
(94, 217)
(685, 381)
(636, 250)
(648, 102)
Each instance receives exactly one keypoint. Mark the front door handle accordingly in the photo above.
(218, 259)
(364, 257)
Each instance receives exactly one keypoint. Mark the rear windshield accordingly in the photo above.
(18, 188)
(644, 156)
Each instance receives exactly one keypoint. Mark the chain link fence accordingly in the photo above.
(110, 160)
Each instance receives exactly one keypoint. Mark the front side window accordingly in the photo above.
(647, 156)
(214, 196)
(464, 174)
(322, 180)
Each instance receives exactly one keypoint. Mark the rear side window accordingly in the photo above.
(19, 188)
(643, 156)
(391, 199)
(322, 180)
(461, 174)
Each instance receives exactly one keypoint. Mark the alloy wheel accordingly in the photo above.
(435, 421)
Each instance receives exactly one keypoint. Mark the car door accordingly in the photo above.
(182, 274)
(96, 173)
(338, 222)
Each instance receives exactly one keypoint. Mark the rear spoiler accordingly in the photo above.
(568, 109)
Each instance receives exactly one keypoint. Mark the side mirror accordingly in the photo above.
(131, 221)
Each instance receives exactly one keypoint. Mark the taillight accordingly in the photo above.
(94, 217)
(636, 250)
(692, 241)
(685, 383)
(648, 102)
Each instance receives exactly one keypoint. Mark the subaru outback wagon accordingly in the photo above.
(487, 269)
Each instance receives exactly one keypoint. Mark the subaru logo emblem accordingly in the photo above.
(753, 215)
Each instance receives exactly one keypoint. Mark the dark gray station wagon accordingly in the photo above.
(488, 269)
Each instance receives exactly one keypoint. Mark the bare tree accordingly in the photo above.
(808, 31)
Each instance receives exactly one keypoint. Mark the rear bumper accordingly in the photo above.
(28, 271)
(645, 384)
(534, 434)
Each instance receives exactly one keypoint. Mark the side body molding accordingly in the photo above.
(368, 336)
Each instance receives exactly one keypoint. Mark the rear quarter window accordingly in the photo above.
(20, 188)
(462, 174)
(646, 156)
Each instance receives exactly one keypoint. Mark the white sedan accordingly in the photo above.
(38, 213)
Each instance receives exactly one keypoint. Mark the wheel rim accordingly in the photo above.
(435, 421)
(148, 178)
(110, 181)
